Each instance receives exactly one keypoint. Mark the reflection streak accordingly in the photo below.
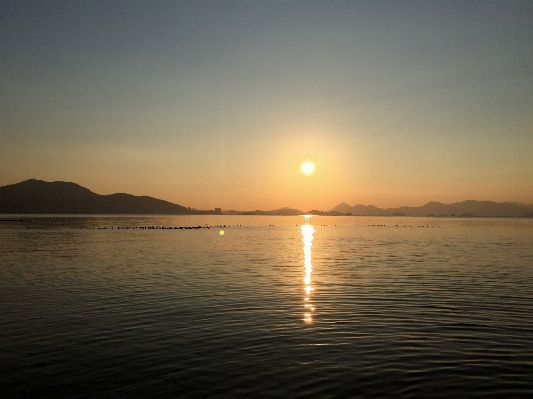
(307, 231)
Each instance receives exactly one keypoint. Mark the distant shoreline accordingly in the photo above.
(9, 217)
(37, 197)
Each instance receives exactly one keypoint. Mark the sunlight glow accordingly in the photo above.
(307, 168)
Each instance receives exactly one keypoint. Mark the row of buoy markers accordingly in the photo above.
(168, 228)
(175, 228)
(322, 225)
(383, 225)
(211, 227)
(163, 227)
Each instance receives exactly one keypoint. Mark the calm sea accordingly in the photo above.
(263, 306)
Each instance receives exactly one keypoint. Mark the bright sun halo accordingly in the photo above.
(307, 168)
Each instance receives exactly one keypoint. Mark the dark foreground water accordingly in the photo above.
(274, 307)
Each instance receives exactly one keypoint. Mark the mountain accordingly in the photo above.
(523, 205)
(286, 211)
(37, 196)
(343, 207)
(470, 208)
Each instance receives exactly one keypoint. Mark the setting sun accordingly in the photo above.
(307, 168)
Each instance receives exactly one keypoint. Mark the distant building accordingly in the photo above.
(218, 211)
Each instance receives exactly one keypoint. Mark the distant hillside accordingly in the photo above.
(465, 208)
(37, 196)
(40, 197)
(286, 211)
(343, 207)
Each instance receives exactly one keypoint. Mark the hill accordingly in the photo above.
(470, 207)
(37, 196)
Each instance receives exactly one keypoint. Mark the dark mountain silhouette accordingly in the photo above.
(343, 207)
(37, 196)
(324, 213)
(285, 211)
(470, 208)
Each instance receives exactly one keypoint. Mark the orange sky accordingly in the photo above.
(217, 105)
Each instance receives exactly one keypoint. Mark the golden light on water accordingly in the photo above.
(307, 168)
(308, 231)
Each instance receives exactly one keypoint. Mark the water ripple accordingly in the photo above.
(399, 312)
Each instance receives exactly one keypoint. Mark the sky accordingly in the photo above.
(217, 103)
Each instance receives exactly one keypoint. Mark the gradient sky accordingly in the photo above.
(216, 104)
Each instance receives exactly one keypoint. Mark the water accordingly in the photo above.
(274, 307)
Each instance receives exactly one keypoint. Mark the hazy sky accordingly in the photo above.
(216, 104)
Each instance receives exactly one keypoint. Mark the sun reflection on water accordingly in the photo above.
(308, 230)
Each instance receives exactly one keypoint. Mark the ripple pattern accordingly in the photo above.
(399, 312)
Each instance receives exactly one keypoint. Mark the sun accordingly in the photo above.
(307, 168)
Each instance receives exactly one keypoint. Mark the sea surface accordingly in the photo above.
(265, 306)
